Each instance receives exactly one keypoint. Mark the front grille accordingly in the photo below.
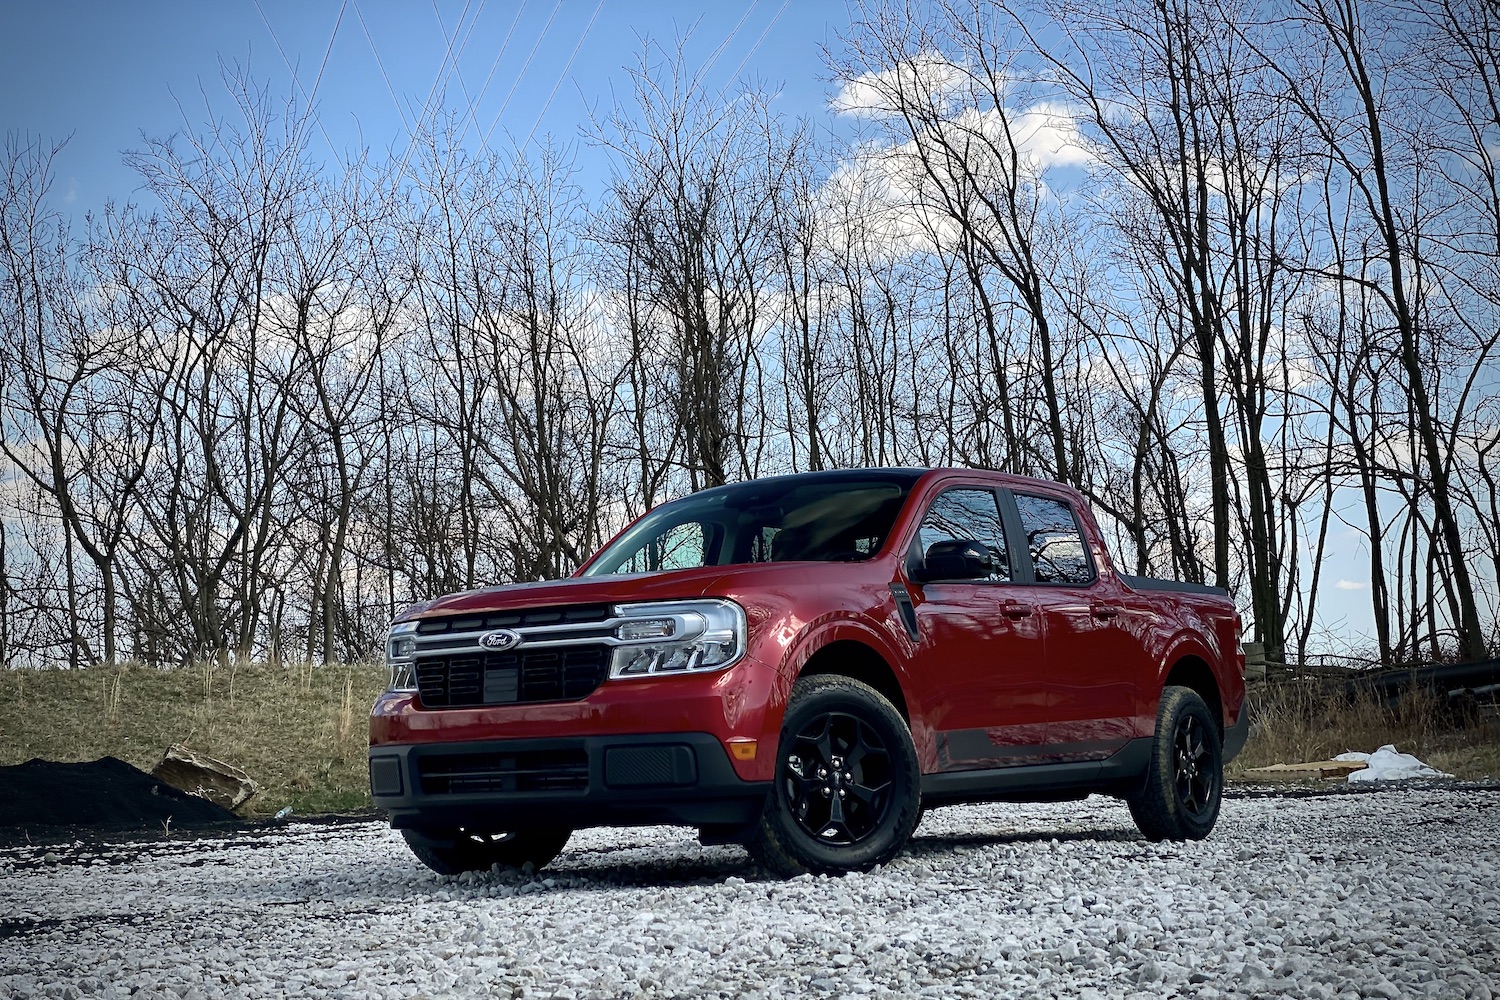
(571, 614)
(517, 677)
(561, 770)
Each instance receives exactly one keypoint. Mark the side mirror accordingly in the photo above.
(959, 559)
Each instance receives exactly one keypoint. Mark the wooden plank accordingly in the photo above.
(1307, 769)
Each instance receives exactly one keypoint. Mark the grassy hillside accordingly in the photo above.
(300, 732)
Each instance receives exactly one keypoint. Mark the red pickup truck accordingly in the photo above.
(803, 664)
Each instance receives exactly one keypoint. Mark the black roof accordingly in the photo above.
(901, 477)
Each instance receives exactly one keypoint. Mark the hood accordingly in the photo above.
(677, 584)
(741, 582)
(785, 578)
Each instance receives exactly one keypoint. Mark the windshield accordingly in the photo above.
(824, 517)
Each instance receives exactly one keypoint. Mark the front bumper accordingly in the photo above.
(502, 785)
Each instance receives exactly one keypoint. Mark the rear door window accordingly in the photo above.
(1058, 554)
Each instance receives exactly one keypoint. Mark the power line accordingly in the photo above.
(449, 63)
(714, 58)
(462, 87)
(375, 52)
(326, 52)
(437, 83)
(486, 140)
(562, 76)
(450, 58)
(735, 75)
(474, 104)
(308, 111)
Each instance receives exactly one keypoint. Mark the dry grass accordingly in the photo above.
(300, 731)
(1307, 721)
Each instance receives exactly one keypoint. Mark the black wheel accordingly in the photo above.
(1179, 797)
(453, 852)
(847, 791)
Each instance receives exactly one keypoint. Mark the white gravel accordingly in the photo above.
(1387, 894)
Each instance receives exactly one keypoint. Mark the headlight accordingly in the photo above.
(676, 637)
(400, 653)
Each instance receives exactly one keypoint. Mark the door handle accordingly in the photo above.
(1106, 611)
(1016, 610)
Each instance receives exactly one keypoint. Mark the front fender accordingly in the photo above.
(810, 638)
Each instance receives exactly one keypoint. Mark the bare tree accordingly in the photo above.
(232, 199)
(555, 382)
(1343, 88)
(79, 367)
(943, 88)
(690, 238)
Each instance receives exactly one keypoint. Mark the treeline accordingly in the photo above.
(1232, 269)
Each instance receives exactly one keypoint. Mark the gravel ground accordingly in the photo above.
(1388, 894)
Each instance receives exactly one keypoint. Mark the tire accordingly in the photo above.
(1180, 793)
(847, 788)
(457, 851)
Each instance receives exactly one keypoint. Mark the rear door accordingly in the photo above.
(979, 656)
(1097, 663)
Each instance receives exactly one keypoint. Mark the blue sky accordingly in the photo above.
(105, 72)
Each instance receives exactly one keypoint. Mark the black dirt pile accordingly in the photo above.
(105, 793)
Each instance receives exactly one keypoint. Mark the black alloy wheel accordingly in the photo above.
(838, 779)
(847, 789)
(1196, 780)
(1179, 795)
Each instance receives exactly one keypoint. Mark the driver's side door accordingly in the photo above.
(979, 651)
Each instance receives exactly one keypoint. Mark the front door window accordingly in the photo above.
(967, 514)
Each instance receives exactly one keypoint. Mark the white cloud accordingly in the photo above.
(1352, 585)
(887, 191)
(1045, 134)
(926, 78)
(966, 132)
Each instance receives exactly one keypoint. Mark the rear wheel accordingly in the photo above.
(847, 790)
(1179, 798)
(453, 852)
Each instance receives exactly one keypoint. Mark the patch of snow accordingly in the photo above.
(1388, 764)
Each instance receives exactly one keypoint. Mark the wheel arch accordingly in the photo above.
(1192, 671)
(853, 658)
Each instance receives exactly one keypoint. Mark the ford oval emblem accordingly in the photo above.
(501, 639)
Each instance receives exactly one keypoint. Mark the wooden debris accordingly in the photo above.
(1309, 769)
(199, 774)
(1255, 660)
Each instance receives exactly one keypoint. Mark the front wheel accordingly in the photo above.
(1179, 798)
(454, 852)
(847, 791)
